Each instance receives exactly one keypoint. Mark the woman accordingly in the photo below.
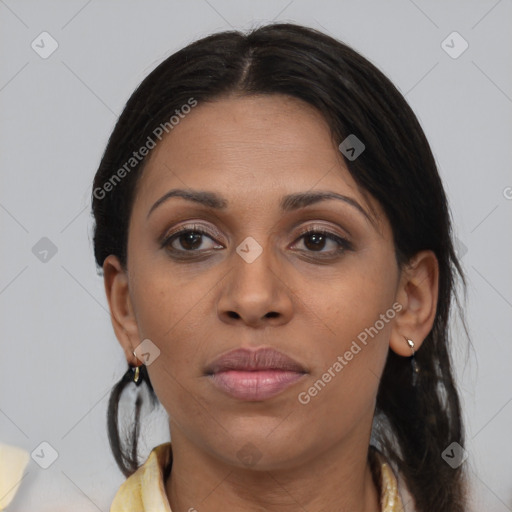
(276, 249)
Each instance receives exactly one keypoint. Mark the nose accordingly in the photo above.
(255, 293)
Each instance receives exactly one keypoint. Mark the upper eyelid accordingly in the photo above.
(193, 226)
(344, 244)
(188, 227)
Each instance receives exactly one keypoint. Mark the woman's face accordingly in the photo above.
(254, 280)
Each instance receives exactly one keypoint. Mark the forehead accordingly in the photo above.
(257, 132)
(253, 148)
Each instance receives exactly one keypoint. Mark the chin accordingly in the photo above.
(262, 449)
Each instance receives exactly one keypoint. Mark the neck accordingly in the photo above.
(339, 480)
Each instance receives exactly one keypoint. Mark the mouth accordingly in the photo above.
(254, 375)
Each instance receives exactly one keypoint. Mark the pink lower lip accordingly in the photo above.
(254, 385)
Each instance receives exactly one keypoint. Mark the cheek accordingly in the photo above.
(171, 373)
(164, 310)
(358, 315)
(349, 303)
(172, 312)
(166, 304)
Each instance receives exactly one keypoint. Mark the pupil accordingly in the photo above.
(191, 240)
(318, 241)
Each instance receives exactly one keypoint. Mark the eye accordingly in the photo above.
(193, 239)
(317, 239)
(190, 239)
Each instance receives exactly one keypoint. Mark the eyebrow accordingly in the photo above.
(288, 203)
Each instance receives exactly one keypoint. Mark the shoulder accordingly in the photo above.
(145, 489)
(129, 495)
(407, 498)
(394, 494)
(13, 461)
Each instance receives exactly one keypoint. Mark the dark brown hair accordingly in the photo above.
(413, 425)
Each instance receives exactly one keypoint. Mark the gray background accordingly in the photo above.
(59, 355)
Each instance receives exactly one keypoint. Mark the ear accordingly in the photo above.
(417, 293)
(121, 311)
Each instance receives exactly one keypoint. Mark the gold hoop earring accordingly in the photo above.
(138, 376)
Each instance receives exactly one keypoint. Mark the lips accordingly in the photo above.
(254, 375)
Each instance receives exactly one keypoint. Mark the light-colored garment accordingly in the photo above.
(144, 491)
(13, 461)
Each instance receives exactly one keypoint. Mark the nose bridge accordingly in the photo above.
(252, 267)
(254, 290)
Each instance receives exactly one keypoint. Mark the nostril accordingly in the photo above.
(233, 314)
(272, 314)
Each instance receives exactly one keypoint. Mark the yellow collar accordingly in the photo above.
(145, 489)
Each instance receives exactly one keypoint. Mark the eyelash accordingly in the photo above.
(343, 244)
